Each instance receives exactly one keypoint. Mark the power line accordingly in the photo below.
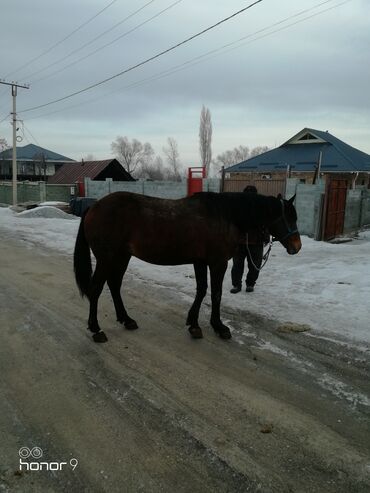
(154, 57)
(111, 42)
(29, 132)
(87, 44)
(5, 118)
(62, 40)
(217, 51)
(210, 54)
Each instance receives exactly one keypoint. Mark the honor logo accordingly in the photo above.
(37, 453)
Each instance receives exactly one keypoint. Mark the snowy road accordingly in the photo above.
(153, 410)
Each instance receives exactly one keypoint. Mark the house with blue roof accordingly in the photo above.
(33, 163)
(305, 155)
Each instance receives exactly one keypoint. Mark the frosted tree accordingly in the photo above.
(172, 157)
(132, 154)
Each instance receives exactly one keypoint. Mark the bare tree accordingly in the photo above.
(172, 156)
(234, 156)
(256, 151)
(205, 138)
(39, 165)
(237, 155)
(3, 144)
(153, 170)
(3, 147)
(241, 153)
(133, 155)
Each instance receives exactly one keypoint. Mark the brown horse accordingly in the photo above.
(203, 230)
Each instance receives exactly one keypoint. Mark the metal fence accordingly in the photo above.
(36, 192)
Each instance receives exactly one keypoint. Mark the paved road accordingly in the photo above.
(153, 410)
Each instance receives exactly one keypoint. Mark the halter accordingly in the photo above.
(265, 256)
(290, 231)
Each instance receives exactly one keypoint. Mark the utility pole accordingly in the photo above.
(14, 86)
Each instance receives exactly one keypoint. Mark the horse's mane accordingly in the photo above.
(243, 209)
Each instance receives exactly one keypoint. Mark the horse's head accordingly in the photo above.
(284, 227)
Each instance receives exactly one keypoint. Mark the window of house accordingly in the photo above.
(308, 136)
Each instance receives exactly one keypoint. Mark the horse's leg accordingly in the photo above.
(217, 271)
(200, 269)
(114, 283)
(97, 283)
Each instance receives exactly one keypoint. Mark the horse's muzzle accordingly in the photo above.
(293, 244)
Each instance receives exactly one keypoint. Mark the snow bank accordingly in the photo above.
(54, 203)
(46, 212)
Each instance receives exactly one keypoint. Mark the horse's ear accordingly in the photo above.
(291, 200)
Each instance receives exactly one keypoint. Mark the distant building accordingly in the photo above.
(301, 157)
(71, 173)
(33, 163)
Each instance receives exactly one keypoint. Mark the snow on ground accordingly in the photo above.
(326, 286)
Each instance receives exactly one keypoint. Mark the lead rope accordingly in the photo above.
(265, 256)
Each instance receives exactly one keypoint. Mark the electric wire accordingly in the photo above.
(29, 132)
(200, 58)
(89, 43)
(239, 42)
(62, 40)
(110, 43)
(144, 62)
(208, 55)
(5, 118)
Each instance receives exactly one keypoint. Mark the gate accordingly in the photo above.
(335, 205)
(195, 179)
(81, 188)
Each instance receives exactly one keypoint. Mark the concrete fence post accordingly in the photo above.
(21, 192)
(42, 191)
(364, 200)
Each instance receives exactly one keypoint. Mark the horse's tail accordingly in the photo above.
(82, 260)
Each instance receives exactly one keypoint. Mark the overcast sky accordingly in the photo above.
(260, 91)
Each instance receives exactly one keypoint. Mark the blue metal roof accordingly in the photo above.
(336, 156)
(30, 151)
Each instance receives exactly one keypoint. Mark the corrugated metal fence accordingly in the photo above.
(265, 187)
(36, 192)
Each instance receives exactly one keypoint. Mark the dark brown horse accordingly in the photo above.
(203, 230)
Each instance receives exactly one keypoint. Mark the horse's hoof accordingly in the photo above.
(100, 337)
(131, 325)
(223, 332)
(196, 332)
